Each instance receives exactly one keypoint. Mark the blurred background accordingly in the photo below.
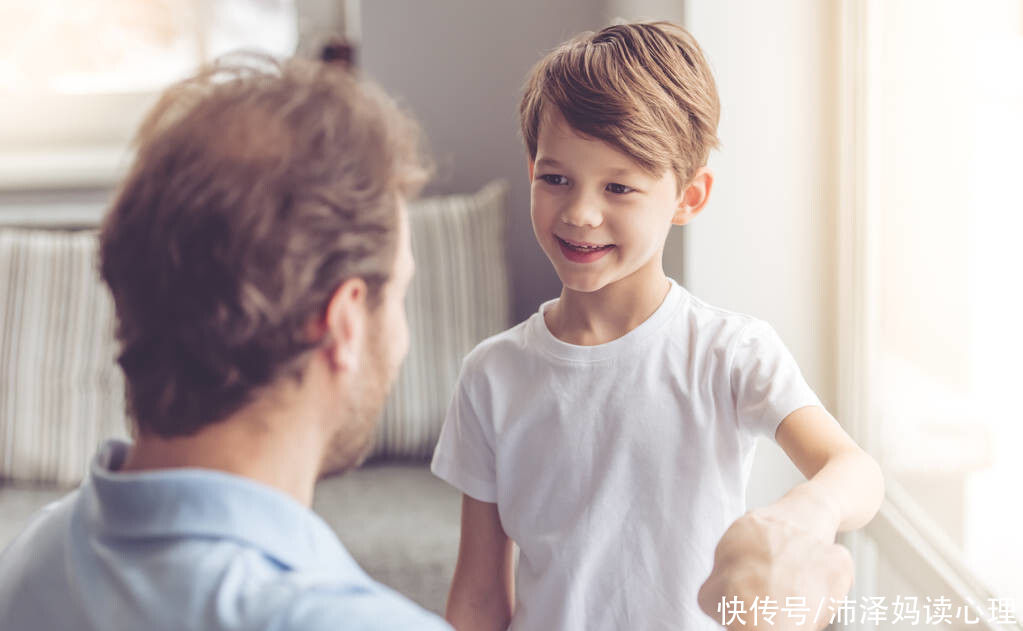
(867, 203)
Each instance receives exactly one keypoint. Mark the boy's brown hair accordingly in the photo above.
(645, 89)
(258, 188)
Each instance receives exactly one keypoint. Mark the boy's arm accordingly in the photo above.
(787, 549)
(483, 590)
(844, 487)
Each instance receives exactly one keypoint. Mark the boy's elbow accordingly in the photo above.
(880, 485)
(866, 487)
(873, 479)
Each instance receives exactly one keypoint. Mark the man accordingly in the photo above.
(258, 255)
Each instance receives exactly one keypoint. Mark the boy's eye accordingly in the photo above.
(618, 189)
(556, 180)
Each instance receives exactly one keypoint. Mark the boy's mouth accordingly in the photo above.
(581, 251)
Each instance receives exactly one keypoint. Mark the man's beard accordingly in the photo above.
(352, 443)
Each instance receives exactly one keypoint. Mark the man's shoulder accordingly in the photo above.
(45, 530)
(33, 566)
(366, 607)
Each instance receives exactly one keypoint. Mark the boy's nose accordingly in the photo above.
(582, 212)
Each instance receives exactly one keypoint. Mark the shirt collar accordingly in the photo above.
(192, 502)
(631, 342)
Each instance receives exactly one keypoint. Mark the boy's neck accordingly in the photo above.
(592, 318)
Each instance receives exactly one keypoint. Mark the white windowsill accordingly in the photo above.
(60, 215)
(65, 188)
(69, 168)
(906, 536)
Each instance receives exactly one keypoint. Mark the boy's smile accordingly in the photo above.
(582, 252)
(598, 216)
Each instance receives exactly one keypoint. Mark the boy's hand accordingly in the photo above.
(761, 557)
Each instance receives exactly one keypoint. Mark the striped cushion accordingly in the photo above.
(459, 295)
(61, 392)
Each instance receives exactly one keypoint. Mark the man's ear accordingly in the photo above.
(694, 197)
(346, 321)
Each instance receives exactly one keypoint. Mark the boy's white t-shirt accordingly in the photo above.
(616, 468)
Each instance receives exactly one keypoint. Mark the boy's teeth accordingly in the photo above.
(584, 247)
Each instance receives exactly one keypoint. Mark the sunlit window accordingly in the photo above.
(81, 72)
(950, 296)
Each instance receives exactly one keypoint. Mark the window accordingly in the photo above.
(76, 76)
(932, 229)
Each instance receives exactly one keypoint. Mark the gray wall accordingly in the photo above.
(459, 66)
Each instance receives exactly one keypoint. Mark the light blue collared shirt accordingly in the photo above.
(188, 549)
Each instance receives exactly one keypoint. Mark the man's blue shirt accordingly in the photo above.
(188, 549)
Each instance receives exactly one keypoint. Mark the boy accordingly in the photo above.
(611, 434)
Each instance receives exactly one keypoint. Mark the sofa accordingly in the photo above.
(61, 392)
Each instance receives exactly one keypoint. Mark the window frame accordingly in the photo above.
(901, 532)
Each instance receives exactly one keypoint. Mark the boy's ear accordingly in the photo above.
(529, 165)
(694, 196)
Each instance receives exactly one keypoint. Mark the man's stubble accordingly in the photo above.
(353, 441)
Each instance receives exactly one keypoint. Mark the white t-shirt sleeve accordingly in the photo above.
(464, 456)
(767, 384)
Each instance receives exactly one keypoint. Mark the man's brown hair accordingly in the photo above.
(645, 89)
(258, 188)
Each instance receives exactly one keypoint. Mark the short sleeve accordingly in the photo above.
(767, 384)
(464, 456)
